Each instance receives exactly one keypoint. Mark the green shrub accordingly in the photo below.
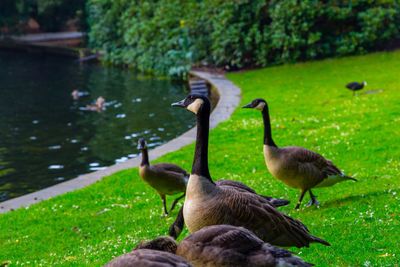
(150, 35)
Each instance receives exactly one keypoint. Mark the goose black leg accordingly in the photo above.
(313, 200)
(164, 204)
(300, 199)
(177, 226)
(176, 201)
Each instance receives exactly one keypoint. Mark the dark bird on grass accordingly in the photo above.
(165, 178)
(296, 166)
(207, 204)
(355, 86)
(226, 245)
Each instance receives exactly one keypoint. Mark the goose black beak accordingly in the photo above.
(179, 104)
(248, 106)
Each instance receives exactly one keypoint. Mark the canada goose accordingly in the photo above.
(152, 256)
(296, 166)
(226, 245)
(165, 178)
(355, 86)
(208, 204)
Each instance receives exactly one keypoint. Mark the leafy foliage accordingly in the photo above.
(148, 35)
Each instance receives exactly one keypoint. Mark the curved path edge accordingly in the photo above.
(229, 98)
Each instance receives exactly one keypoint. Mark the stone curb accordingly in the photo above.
(229, 98)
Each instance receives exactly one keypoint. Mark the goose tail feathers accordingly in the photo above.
(350, 178)
(320, 240)
(277, 202)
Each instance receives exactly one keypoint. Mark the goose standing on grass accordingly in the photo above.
(165, 178)
(296, 166)
(208, 204)
(356, 86)
(226, 245)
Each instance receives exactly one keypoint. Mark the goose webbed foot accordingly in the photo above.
(313, 200)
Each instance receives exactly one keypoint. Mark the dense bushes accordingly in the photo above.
(166, 36)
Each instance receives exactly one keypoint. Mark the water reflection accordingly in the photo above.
(45, 135)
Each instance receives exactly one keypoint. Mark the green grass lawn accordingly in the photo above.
(309, 107)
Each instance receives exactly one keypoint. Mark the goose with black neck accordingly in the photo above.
(296, 166)
(165, 178)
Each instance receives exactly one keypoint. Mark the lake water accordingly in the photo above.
(46, 137)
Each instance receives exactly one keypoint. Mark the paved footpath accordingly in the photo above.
(229, 98)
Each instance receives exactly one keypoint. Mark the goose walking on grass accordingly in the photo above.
(165, 178)
(296, 166)
(356, 86)
(208, 204)
(226, 245)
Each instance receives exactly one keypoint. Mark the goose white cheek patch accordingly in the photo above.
(195, 106)
(260, 106)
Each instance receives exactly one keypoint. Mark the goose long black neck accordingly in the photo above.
(267, 127)
(200, 161)
(145, 158)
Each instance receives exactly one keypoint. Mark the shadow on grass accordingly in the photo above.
(352, 199)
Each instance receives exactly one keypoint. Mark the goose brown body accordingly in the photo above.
(208, 204)
(177, 226)
(296, 166)
(165, 178)
(226, 245)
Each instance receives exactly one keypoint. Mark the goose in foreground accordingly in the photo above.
(208, 204)
(165, 178)
(226, 245)
(160, 254)
(356, 86)
(296, 166)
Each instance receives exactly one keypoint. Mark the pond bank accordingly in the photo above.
(229, 97)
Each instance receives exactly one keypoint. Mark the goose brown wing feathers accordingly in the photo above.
(258, 215)
(171, 167)
(276, 202)
(148, 258)
(308, 163)
(227, 245)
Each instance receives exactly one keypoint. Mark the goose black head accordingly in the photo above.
(163, 243)
(257, 103)
(142, 144)
(194, 103)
